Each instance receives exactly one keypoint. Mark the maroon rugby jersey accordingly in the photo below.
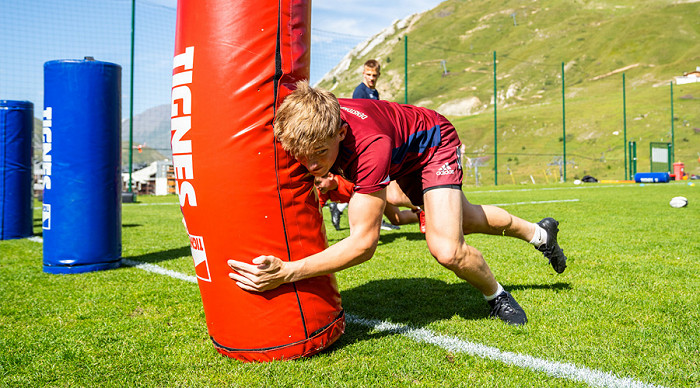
(385, 141)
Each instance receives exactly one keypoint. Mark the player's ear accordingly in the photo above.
(343, 131)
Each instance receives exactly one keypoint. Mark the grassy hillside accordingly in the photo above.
(140, 159)
(650, 42)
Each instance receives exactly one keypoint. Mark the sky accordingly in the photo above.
(353, 22)
(37, 31)
(363, 17)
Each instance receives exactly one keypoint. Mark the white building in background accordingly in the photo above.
(158, 178)
(689, 77)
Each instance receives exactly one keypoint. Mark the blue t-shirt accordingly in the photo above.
(362, 91)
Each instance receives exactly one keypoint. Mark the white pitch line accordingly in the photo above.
(494, 204)
(159, 270)
(156, 203)
(555, 369)
(581, 187)
(144, 266)
(137, 204)
(552, 368)
(535, 202)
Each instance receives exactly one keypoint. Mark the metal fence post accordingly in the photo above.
(624, 122)
(131, 94)
(563, 115)
(405, 68)
(495, 123)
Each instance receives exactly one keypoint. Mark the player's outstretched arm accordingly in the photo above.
(269, 272)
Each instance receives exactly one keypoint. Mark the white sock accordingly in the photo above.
(342, 206)
(540, 236)
(498, 292)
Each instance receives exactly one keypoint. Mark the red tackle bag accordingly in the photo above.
(241, 194)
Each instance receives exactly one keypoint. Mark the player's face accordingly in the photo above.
(325, 183)
(320, 160)
(370, 77)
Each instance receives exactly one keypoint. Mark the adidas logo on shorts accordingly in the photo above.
(445, 170)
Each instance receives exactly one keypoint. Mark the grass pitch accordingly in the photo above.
(627, 305)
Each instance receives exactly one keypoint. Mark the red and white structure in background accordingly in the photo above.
(689, 77)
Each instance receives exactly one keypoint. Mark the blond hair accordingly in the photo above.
(306, 118)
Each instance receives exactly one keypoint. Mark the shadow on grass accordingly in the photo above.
(415, 302)
(37, 227)
(420, 301)
(38, 223)
(386, 237)
(156, 257)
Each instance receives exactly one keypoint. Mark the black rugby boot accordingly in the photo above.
(507, 309)
(551, 249)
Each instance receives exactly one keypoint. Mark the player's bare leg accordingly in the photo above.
(493, 220)
(445, 239)
(396, 196)
(400, 217)
(446, 243)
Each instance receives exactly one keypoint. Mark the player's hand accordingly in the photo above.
(266, 273)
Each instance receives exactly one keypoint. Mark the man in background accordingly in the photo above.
(368, 87)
